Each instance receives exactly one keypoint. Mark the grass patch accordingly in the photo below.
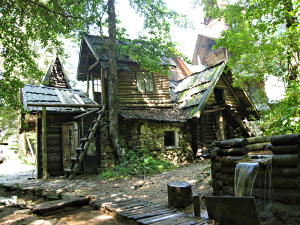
(136, 164)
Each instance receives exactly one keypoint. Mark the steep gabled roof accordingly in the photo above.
(56, 76)
(94, 51)
(194, 91)
(52, 95)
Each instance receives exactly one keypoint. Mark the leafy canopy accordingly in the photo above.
(263, 38)
(26, 25)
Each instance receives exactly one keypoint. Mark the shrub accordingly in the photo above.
(137, 163)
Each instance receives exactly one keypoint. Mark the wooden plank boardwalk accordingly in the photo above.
(136, 211)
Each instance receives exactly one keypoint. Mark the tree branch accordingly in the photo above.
(52, 11)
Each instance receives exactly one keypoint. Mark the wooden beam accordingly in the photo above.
(103, 87)
(85, 114)
(93, 66)
(44, 143)
(39, 173)
(93, 87)
(65, 105)
(87, 85)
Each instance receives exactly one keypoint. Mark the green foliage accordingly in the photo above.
(284, 116)
(137, 163)
(25, 24)
(263, 37)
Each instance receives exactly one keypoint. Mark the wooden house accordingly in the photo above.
(172, 116)
(52, 111)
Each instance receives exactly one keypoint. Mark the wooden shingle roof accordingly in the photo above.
(193, 92)
(53, 95)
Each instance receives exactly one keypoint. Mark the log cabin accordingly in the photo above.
(51, 110)
(173, 116)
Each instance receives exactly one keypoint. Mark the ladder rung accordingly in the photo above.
(83, 139)
(68, 170)
(79, 149)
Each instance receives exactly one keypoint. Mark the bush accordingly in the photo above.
(284, 116)
(137, 163)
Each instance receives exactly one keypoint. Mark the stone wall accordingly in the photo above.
(150, 135)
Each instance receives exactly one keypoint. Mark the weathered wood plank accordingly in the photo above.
(58, 204)
(150, 214)
(177, 220)
(143, 209)
(159, 218)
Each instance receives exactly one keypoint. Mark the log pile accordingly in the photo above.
(285, 150)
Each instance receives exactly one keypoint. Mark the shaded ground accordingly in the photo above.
(153, 188)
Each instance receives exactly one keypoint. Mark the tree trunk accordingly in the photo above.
(113, 104)
(293, 55)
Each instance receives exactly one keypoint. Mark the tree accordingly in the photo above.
(262, 33)
(262, 39)
(157, 44)
(24, 23)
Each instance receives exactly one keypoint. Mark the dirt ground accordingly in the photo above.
(153, 188)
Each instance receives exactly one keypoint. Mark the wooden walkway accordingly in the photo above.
(143, 212)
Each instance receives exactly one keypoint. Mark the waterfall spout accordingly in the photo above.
(245, 174)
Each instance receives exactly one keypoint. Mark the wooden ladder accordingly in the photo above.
(81, 151)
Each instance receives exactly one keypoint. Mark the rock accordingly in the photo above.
(137, 184)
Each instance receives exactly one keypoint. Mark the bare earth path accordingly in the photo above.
(153, 188)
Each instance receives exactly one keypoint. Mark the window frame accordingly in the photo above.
(144, 81)
(175, 133)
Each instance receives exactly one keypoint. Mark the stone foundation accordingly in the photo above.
(150, 135)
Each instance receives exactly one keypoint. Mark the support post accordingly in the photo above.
(87, 86)
(196, 205)
(103, 88)
(44, 144)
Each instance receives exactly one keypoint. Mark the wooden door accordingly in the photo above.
(70, 140)
(54, 150)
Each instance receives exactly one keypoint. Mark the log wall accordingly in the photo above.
(285, 165)
(54, 140)
(130, 96)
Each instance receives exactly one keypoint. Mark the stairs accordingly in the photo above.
(81, 150)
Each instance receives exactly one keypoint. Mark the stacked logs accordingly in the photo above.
(286, 168)
(285, 165)
(225, 155)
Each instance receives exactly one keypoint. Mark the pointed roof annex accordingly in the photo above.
(56, 76)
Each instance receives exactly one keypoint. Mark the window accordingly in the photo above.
(144, 81)
(170, 138)
(219, 95)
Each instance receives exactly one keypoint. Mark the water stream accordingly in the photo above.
(258, 172)
(245, 174)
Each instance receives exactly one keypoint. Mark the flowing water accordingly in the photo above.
(245, 174)
(258, 171)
